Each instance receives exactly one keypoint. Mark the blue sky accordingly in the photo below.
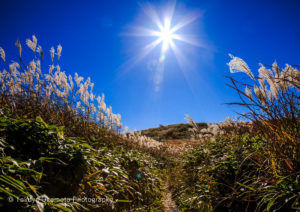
(95, 40)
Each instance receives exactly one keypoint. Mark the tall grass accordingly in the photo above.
(214, 131)
(252, 165)
(273, 103)
(58, 98)
(60, 148)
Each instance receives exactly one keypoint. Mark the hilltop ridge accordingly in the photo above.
(172, 131)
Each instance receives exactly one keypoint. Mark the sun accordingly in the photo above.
(167, 31)
(166, 35)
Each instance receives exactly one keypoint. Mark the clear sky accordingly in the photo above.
(97, 40)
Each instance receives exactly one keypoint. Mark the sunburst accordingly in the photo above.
(166, 35)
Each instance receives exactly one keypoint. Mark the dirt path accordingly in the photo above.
(169, 204)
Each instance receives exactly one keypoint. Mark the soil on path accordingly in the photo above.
(168, 202)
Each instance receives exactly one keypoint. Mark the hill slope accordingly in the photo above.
(171, 132)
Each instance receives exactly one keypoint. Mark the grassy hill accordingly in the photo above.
(171, 132)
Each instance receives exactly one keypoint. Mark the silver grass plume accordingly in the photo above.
(192, 123)
(52, 53)
(260, 95)
(51, 69)
(276, 70)
(40, 51)
(238, 65)
(59, 48)
(19, 47)
(32, 44)
(268, 75)
(2, 54)
(248, 93)
(283, 82)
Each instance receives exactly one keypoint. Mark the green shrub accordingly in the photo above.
(228, 175)
(41, 165)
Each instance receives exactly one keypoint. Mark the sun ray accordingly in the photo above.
(152, 45)
(133, 61)
(142, 32)
(150, 11)
(189, 40)
(184, 65)
(166, 35)
(185, 22)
